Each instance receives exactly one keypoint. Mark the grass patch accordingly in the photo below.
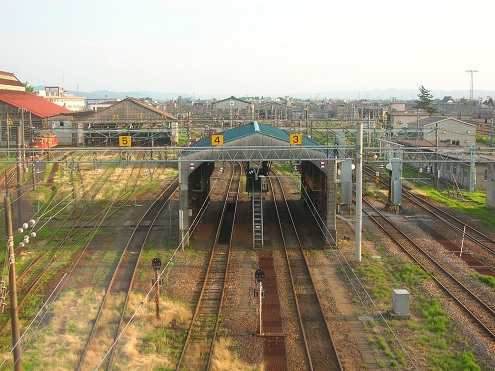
(469, 203)
(149, 336)
(489, 280)
(431, 330)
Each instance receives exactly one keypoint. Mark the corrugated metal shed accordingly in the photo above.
(38, 106)
(128, 109)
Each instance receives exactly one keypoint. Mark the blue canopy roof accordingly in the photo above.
(254, 127)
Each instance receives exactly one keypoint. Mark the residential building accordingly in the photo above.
(57, 95)
(445, 131)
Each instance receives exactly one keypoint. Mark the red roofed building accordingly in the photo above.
(11, 102)
(21, 108)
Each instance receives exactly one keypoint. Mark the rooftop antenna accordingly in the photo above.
(472, 72)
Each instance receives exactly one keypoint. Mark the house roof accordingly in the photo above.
(447, 99)
(233, 98)
(38, 106)
(147, 106)
(8, 79)
(436, 119)
(113, 105)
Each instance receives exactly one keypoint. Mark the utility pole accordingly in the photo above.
(472, 72)
(359, 190)
(437, 164)
(19, 176)
(14, 315)
(9, 124)
(22, 144)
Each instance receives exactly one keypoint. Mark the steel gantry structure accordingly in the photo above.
(259, 143)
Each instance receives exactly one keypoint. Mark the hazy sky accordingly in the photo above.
(249, 47)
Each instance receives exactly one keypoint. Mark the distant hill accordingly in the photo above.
(107, 94)
(397, 94)
(375, 94)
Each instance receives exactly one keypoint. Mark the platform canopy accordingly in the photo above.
(257, 142)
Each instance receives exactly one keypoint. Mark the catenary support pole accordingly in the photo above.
(20, 170)
(14, 315)
(359, 189)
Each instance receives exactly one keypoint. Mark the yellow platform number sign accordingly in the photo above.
(217, 140)
(295, 139)
(124, 141)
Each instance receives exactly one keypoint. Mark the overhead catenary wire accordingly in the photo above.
(34, 319)
(95, 230)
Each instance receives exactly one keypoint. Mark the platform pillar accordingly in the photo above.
(331, 222)
(184, 170)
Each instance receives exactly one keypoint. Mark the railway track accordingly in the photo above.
(199, 345)
(480, 312)
(463, 234)
(42, 263)
(320, 350)
(106, 328)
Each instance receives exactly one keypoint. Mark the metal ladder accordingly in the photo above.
(257, 200)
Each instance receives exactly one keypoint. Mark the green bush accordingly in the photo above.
(465, 361)
(436, 317)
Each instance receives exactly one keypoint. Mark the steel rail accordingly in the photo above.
(221, 258)
(39, 261)
(490, 313)
(126, 269)
(476, 236)
(330, 360)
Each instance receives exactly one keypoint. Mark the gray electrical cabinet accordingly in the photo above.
(400, 302)
(400, 305)
(396, 186)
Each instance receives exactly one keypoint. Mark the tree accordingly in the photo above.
(425, 100)
(29, 89)
(489, 102)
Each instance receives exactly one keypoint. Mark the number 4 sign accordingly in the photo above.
(217, 140)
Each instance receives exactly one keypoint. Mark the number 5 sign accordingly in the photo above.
(295, 139)
(124, 141)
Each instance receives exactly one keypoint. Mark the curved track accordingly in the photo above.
(106, 325)
(42, 263)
